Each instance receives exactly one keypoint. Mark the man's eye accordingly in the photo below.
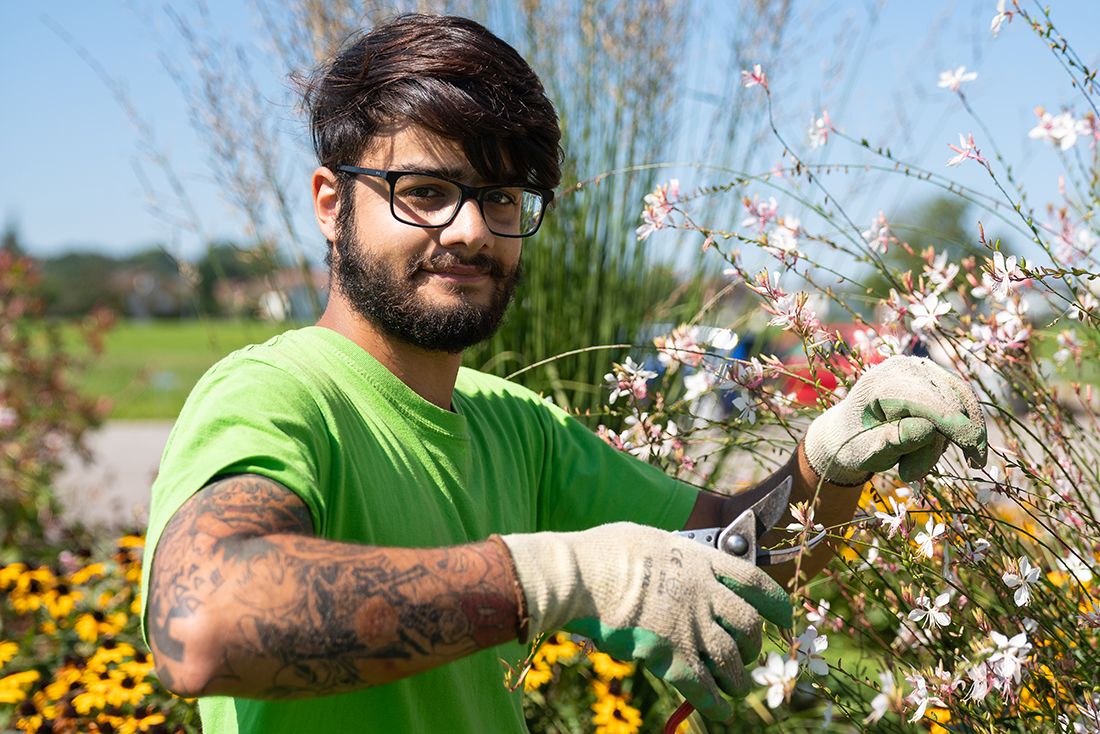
(423, 192)
(501, 197)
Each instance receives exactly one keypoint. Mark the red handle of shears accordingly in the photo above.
(678, 717)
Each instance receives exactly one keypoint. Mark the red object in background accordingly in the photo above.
(802, 381)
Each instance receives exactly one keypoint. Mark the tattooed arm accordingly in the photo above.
(244, 601)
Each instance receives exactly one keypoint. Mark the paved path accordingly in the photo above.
(113, 488)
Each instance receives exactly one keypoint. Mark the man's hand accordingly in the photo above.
(903, 411)
(690, 613)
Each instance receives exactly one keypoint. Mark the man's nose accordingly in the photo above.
(468, 228)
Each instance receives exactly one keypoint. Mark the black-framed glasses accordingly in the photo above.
(429, 201)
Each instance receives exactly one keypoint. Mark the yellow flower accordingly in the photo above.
(90, 625)
(86, 574)
(48, 627)
(557, 648)
(10, 573)
(109, 653)
(62, 682)
(94, 695)
(608, 667)
(30, 587)
(937, 717)
(123, 689)
(61, 600)
(131, 541)
(13, 687)
(538, 675)
(615, 716)
(7, 651)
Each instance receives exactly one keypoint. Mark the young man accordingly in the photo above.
(349, 532)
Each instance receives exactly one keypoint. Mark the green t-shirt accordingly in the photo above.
(377, 464)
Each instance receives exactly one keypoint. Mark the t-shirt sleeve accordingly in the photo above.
(243, 417)
(586, 482)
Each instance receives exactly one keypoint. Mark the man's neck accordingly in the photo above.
(429, 374)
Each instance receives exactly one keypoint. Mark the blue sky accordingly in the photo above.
(70, 152)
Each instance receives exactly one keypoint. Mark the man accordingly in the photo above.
(349, 531)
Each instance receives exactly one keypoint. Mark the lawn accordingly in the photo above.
(148, 368)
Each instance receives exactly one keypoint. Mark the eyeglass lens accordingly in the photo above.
(427, 201)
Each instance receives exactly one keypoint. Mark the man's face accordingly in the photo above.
(441, 289)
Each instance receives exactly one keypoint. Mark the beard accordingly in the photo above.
(387, 296)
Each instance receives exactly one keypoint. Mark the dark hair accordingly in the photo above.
(448, 75)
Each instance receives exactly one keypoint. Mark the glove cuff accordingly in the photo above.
(522, 618)
(548, 579)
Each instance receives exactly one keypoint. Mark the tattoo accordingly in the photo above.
(304, 615)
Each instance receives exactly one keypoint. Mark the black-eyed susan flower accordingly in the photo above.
(63, 680)
(538, 675)
(608, 667)
(93, 697)
(13, 688)
(558, 648)
(614, 715)
(90, 626)
(109, 653)
(8, 650)
(61, 600)
(86, 574)
(30, 588)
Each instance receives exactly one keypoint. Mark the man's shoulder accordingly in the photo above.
(476, 385)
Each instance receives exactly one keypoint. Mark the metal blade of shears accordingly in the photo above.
(739, 538)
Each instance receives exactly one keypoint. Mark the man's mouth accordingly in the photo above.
(452, 268)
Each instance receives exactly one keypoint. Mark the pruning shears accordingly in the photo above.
(739, 539)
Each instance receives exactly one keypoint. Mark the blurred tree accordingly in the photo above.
(10, 242)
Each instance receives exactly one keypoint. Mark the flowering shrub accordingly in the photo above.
(967, 601)
(41, 413)
(71, 655)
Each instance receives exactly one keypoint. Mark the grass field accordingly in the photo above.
(148, 368)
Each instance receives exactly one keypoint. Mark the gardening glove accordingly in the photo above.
(690, 613)
(903, 411)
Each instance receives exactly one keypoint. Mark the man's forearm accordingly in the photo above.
(289, 615)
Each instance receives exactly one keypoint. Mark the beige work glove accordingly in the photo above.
(690, 613)
(903, 411)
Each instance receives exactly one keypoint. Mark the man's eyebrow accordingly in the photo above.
(455, 173)
(464, 174)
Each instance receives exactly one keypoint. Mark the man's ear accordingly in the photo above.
(326, 202)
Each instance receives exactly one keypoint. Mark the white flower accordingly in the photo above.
(979, 678)
(941, 273)
(1000, 18)
(628, 378)
(927, 537)
(920, 698)
(880, 704)
(1061, 130)
(1076, 567)
(879, 236)
(819, 130)
(804, 519)
(697, 383)
(818, 614)
(1068, 346)
(1002, 273)
(1022, 581)
(723, 340)
(1008, 659)
(952, 79)
(928, 611)
(808, 649)
(779, 675)
(927, 311)
(658, 206)
(746, 409)
(894, 519)
(1085, 305)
